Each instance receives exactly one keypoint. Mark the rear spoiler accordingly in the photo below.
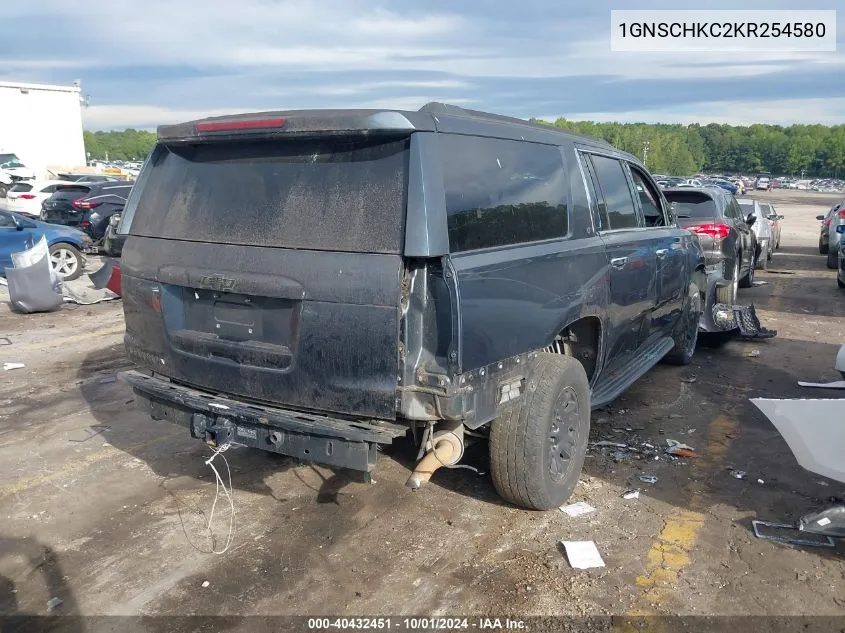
(297, 123)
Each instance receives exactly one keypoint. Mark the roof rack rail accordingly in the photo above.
(436, 107)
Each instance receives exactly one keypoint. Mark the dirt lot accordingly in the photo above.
(107, 510)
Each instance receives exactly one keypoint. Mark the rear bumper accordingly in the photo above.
(220, 420)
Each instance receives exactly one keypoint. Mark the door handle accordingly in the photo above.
(662, 252)
(619, 262)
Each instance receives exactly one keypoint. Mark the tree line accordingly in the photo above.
(682, 150)
(816, 151)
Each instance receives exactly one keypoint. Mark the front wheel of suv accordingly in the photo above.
(833, 258)
(538, 444)
(748, 280)
(727, 293)
(686, 331)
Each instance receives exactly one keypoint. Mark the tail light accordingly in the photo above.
(82, 203)
(827, 222)
(716, 231)
(85, 225)
(841, 213)
(26, 196)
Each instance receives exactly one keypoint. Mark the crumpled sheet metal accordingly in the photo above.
(814, 431)
(33, 285)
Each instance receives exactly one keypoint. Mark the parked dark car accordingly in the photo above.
(87, 206)
(317, 283)
(113, 240)
(726, 237)
(88, 178)
(840, 271)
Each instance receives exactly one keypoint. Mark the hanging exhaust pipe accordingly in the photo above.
(445, 448)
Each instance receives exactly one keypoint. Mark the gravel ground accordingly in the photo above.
(108, 510)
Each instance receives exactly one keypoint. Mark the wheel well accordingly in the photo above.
(580, 339)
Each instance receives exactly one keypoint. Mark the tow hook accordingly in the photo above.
(445, 448)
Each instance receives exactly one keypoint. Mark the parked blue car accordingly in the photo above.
(67, 245)
(724, 184)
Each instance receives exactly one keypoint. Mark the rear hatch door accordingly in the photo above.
(696, 211)
(273, 269)
(59, 209)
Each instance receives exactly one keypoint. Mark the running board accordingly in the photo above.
(618, 380)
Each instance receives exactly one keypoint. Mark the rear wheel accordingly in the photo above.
(67, 261)
(840, 283)
(538, 445)
(4, 189)
(833, 258)
(822, 248)
(748, 280)
(727, 293)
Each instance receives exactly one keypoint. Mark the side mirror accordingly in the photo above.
(750, 219)
(820, 217)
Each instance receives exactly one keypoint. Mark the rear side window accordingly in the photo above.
(338, 194)
(72, 192)
(502, 192)
(21, 187)
(692, 204)
(49, 189)
(621, 212)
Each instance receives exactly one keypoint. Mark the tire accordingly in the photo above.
(686, 331)
(62, 256)
(833, 258)
(822, 248)
(530, 465)
(727, 294)
(4, 189)
(748, 280)
(764, 264)
(839, 282)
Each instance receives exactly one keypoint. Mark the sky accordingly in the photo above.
(147, 62)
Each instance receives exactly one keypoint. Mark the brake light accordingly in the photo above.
(85, 224)
(827, 222)
(716, 231)
(26, 196)
(82, 203)
(242, 124)
(841, 213)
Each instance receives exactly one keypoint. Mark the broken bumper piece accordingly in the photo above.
(741, 319)
(220, 420)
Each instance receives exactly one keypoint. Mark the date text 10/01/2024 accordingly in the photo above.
(412, 624)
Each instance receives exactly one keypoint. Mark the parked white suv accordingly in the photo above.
(12, 171)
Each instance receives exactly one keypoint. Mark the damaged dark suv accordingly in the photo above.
(318, 283)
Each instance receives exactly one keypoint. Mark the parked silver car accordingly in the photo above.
(829, 237)
(761, 228)
(774, 222)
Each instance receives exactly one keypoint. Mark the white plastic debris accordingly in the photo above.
(836, 384)
(754, 353)
(205, 584)
(738, 474)
(614, 444)
(577, 509)
(8, 366)
(53, 603)
(823, 521)
(582, 554)
(631, 494)
(648, 479)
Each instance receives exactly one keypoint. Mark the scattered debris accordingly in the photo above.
(631, 494)
(648, 479)
(836, 384)
(577, 509)
(788, 534)
(680, 450)
(689, 379)
(614, 444)
(53, 603)
(737, 474)
(830, 522)
(8, 366)
(754, 353)
(5, 340)
(582, 554)
(760, 283)
(760, 481)
(205, 584)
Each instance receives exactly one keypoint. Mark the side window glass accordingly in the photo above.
(49, 189)
(617, 193)
(649, 199)
(6, 221)
(502, 192)
(599, 207)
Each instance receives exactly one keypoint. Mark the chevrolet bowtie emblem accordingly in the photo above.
(218, 283)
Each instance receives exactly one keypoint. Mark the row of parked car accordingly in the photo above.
(78, 214)
(831, 242)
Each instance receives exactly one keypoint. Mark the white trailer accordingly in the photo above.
(42, 126)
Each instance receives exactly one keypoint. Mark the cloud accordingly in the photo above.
(142, 61)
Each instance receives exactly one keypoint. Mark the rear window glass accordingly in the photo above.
(21, 187)
(747, 207)
(318, 194)
(691, 204)
(501, 192)
(71, 191)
